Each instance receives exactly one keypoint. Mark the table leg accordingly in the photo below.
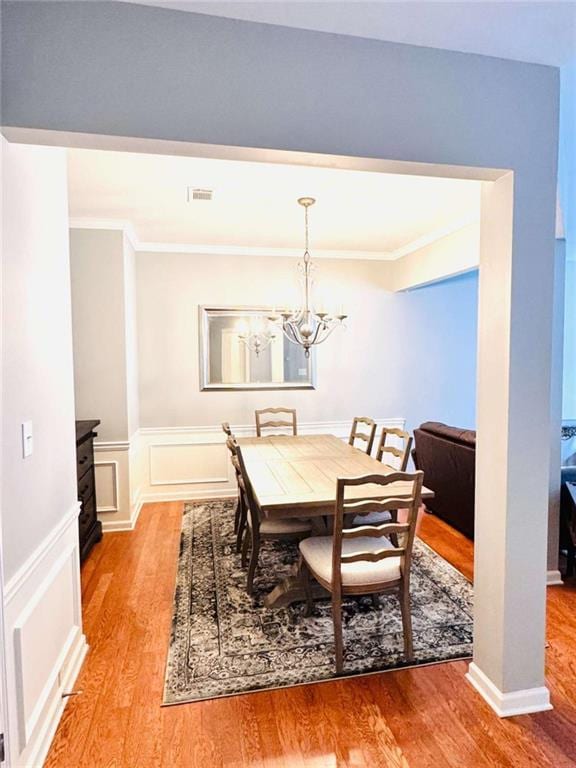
(292, 589)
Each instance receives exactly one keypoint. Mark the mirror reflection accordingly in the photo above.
(243, 349)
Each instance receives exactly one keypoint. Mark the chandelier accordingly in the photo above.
(255, 335)
(305, 326)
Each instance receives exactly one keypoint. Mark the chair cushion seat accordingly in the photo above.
(286, 525)
(317, 552)
(372, 518)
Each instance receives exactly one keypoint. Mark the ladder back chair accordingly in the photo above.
(288, 422)
(363, 560)
(401, 456)
(260, 528)
(226, 428)
(367, 437)
(240, 514)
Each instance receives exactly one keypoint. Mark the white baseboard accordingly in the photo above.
(508, 704)
(554, 579)
(191, 495)
(109, 526)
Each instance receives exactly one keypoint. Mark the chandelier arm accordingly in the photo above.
(288, 331)
(316, 334)
(328, 334)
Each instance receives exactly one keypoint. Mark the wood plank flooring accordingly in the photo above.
(421, 718)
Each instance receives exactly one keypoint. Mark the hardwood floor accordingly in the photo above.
(427, 717)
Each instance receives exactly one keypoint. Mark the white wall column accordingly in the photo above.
(513, 457)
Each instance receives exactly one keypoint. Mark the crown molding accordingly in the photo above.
(125, 226)
(433, 237)
(115, 225)
(249, 250)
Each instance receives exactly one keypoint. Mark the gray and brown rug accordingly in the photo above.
(224, 642)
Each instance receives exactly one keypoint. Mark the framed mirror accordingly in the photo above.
(241, 349)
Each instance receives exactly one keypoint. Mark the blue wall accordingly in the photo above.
(439, 343)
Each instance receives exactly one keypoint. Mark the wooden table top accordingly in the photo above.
(293, 475)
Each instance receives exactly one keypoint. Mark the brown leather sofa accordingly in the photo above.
(447, 456)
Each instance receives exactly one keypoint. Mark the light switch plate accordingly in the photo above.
(27, 439)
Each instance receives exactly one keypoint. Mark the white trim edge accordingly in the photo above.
(508, 704)
(554, 579)
(115, 445)
(192, 495)
(111, 526)
(209, 249)
(12, 586)
(249, 430)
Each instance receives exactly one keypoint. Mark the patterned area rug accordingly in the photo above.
(225, 642)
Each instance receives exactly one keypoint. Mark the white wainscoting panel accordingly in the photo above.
(107, 485)
(186, 463)
(116, 467)
(45, 644)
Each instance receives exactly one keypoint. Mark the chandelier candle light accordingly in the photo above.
(306, 327)
(255, 335)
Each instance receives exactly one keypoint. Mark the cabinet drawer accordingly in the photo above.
(84, 456)
(86, 487)
(87, 516)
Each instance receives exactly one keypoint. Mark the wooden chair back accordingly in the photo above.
(367, 437)
(233, 447)
(289, 422)
(405, 532)
(402, 454)
(226, 428)
(244, 482)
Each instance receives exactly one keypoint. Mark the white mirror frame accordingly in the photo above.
(204, 312)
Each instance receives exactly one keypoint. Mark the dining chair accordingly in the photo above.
(401, 455)
(290, 422)
(363, 561)
(226, 428)
(240, 513)
(367, 437)
(260, 528)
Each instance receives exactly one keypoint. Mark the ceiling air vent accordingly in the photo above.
(195, 193)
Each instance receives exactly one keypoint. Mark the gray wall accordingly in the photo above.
(104, 330)
(409, 355)
(129, 70)
(37, 491)
(130, 319)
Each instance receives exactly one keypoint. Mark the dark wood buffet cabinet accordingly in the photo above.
(89, 527)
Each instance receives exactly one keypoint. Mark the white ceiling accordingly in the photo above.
(357, 214)
(541, 32)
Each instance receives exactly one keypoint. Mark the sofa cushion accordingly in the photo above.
(464, 436)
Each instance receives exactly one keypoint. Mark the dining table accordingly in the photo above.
(295, 476)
